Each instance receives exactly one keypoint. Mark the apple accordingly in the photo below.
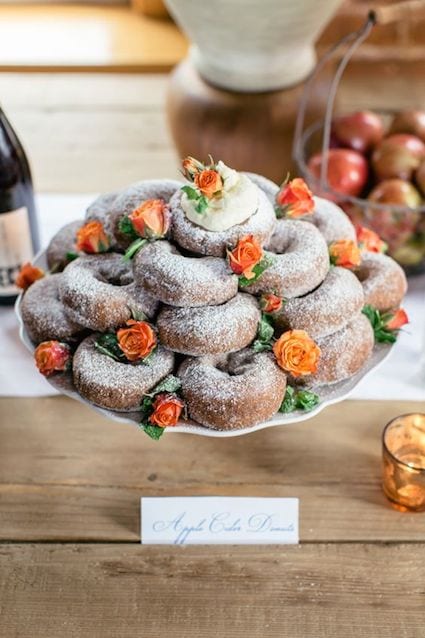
(398, 156)
(360, 131)
(410, 121)
(394, 227)
(420, 177)
(346, 174)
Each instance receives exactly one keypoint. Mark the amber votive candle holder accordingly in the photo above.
(403, 449)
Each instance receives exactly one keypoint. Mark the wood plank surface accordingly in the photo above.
(102, 591)
(69, 474)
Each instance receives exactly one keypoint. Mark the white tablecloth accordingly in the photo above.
(402, 376)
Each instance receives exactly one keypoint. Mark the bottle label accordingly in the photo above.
(15, 248)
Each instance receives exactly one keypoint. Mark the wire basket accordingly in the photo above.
(402, 228)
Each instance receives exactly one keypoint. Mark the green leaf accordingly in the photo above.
(169, 384)
(191, 192)
(289, 402)
(260, 346)
(385, 336)
(265, 330)
(134, 248)
(202, 205)
(107, 344)
(137, 315)
(126, 227)
(70, 256)
(258, 270)
(378, 323)
(306, 400)
(154, 431)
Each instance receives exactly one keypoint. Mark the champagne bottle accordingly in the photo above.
(19, 239)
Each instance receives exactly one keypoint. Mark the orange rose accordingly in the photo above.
(167, 409)
(209, 182)
(295, 198)
(297, 353)
(271, 303)
(397, 319)
(27, 275)
(247, 254)
(52, 356)
(369, 240)
(137, 341)
(345, 253)
(151, 219)
(191, 167)
(91, 238)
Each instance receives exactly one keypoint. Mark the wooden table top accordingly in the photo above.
(71, 563)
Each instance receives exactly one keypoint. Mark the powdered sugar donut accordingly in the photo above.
(344, 353)
(205, 242)
(232, 391)
(300, 264)
(325, 310)
(43, 313)
(114, 385)
(132, 197)
(98, 292)
(331, 220)
(383, 280)
(210, 330)
(61, 244)
(183, 281)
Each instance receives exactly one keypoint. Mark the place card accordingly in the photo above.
(205, 520)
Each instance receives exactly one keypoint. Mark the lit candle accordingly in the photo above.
(404, 461)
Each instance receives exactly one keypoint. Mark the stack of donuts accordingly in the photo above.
(226, 282)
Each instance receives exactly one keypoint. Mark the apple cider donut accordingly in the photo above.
(331, 220)
(232, 391)
(210, 330)
(383, 280)
(115, 385)
(61, 244)
(344, 353)
(183, 281)
(98, 292)
(300, 264)
(325, 310)
(206, 242)
(43, 313)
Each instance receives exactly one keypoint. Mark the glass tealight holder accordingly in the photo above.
(403, 449)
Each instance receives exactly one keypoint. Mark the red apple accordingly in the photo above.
(420, 177)
(395, 227)
(398, 156)
(410, 121)
(360, 131)
(347, 171)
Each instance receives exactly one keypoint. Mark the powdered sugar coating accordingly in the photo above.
(343, 353)
(268, 187)
(205, 242)
(61, 244)
(325, 310)
(300, 264)
(111, 384)
(43, 313)
(183, 281)
(98, 292)
(232, 391)
(383, 280)
(331, 220)
(210, 330)
(130, 198)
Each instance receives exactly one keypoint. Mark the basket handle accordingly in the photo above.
(398, 11)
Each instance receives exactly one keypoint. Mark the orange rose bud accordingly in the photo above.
(270, 303)
(151, 219)
(345, 253)
(52, 356)
(27, 275)
(247, 254)
(137, 341)
(297, 353)
(369, 240)
(397, 320)
(191, 167)
(209, 182)
(167, 409)
(295, 198)
(91, 238)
